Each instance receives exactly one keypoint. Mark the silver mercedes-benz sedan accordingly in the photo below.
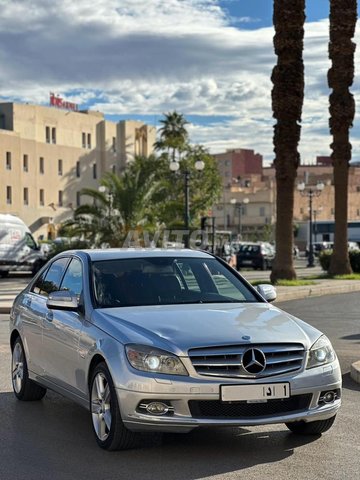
(168, 340)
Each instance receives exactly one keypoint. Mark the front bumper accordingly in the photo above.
(179, 392)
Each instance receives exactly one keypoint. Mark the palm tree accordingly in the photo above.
(173, 134)
(124, 204)
(343, 17)
(287, 101)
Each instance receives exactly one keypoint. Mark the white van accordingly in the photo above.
(18, 249)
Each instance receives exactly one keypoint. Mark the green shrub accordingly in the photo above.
(354, 257)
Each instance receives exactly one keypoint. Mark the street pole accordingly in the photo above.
(187, 209)
(240, 220)
(311, 247)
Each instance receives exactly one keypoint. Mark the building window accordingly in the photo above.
(41, 165)
(26, 196)
(47, 134)
(8, 195)
(94, 170)
(262, 211)
(60, 195)
(8, 160)
(53, 135)
(333, 211)
(114, 144)
(78, 169)
(358, 212)
(84, 140)
(42, 197)
(60, 167)
(358, 188)
(89, 140)
(301, 211)
(26, 163)
(78, 199)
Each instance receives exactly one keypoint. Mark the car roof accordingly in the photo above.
(123, 253)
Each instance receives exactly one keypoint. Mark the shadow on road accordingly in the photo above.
(349, 383)
(53, 439)
(356, 336)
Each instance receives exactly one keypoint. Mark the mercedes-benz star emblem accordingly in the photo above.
(254, 361)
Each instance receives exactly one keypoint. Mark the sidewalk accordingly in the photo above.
(322, 287)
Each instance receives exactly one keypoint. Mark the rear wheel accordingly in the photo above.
(311, 428)
(24, 388)
(110, 432)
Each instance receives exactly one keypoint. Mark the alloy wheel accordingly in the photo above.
(101, 406)
(18, 367)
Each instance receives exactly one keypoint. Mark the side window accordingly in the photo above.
(39, 283)
(189, 276)
(73, 278)
(53, 276)
(30, 242)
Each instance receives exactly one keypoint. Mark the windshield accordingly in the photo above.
(166, 281)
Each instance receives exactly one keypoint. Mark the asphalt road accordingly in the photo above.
(52, 439)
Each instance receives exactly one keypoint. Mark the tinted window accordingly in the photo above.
(166, 280)
(73, 277)
(51, 282)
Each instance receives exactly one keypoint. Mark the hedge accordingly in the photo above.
(354, 257)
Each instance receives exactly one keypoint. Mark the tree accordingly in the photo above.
(173, 134)
(287, 101)
(343, 17)
(205, 188)
(125, 203)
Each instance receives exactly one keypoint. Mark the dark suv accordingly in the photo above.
(255, 255)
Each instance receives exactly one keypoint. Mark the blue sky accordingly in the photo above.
(209, 59)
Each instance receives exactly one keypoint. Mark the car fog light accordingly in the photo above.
(157, 408)
(329, 397)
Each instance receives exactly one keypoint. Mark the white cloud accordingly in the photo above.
(148, 57)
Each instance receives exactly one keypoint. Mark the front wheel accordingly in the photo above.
(24, 388)
(110, 432)
(311, 428)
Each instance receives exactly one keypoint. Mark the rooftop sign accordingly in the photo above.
(56, 101)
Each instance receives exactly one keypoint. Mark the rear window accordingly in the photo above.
(166, 281)
(250, 248)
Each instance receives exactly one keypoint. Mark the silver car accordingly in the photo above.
(168, 341)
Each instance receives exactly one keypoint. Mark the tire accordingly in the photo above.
(4, 273)
(24, 388)
(312, 428)
(110, 432)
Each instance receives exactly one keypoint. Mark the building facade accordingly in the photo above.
(47, 155)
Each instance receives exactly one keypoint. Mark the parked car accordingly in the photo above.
(318, 247)
(258, 256)
(157, 340)
(18, 249)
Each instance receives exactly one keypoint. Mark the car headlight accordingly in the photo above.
(150, 359)
(321, 353)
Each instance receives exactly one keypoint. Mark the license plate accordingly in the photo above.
(264, 391)
(246, 262)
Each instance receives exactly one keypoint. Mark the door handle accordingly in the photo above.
(49, 317)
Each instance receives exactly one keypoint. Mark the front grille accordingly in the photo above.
(226, 361)
(218, 409)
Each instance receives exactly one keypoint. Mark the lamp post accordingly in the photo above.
(239, 206)
(310, 193)
(316, 213)
(174, 167)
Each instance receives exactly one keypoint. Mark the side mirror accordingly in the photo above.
(267, 291)
(62, 300)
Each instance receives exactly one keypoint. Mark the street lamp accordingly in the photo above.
(174, 167)
(310, 192)
(239, 206)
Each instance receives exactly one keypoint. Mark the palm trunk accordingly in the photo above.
(287, 102)
(343, 17)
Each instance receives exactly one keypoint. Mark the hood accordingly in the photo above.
(178, 328)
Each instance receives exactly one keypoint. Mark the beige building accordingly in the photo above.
(47, 155)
